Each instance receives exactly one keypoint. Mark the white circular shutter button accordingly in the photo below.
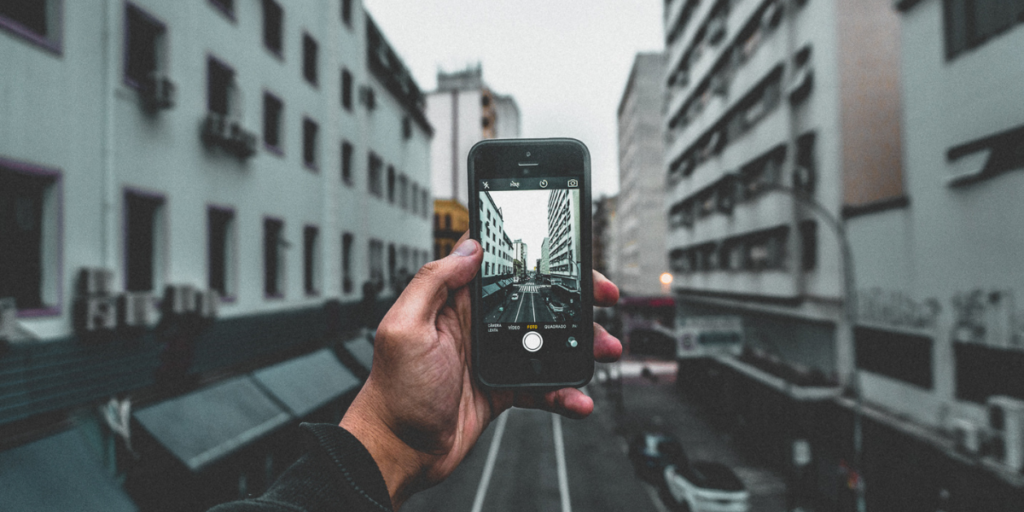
(532, 341)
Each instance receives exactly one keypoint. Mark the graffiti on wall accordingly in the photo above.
(893, 308)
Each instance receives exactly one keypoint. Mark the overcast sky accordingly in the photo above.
(564, 61)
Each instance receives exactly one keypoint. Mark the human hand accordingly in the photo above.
(421, 409)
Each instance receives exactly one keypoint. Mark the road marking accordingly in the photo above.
(533, 305)
(563, 475)
(520, 309)
(492, 456)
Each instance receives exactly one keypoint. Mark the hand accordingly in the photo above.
(421, 409)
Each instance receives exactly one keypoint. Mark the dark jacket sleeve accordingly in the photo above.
(335, 473)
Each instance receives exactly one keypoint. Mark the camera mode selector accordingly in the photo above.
(532, 341)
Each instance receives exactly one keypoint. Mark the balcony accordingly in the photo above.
(227, 133)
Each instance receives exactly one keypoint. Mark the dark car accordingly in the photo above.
(651, 452)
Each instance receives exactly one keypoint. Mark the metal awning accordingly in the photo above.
(208, 424)
(490, 288)
(306, 383)
(56, 474)
(362, 350)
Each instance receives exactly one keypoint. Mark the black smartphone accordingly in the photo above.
(529, 207)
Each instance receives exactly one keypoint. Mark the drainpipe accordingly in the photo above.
(109, 191)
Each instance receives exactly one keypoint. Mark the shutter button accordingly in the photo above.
(532, 341)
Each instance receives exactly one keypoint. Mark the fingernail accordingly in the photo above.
(466, 248)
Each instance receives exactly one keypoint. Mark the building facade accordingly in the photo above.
(565, 237)
(639, 210)
(494, 241)
(464, 111)
(451, 220)
(544, 267)
(257, 165)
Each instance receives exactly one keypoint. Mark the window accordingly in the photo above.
(403, 191)
(29, 236)
(970, 23)
(309, 58)
(273, 258)
(392, 265)
(311, 260)
(222, 250)
(144, 242)
(407, 128)
(225, 6)
(38, 21)
(346, 162)
(273, 27)
(377, 261)
(145, 38)
(415, 198)
(309, 143)
(346, 89)
(272, 114)
(220, 81)
(346, 263)
(375, 171)
(447, 221)
(346, 12)
(809, 244)
(391, 184)
(425, 202)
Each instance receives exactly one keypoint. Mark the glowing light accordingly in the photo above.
(666, 278)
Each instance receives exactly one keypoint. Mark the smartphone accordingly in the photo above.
(529, 207)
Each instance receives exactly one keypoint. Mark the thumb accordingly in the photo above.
(430, 288)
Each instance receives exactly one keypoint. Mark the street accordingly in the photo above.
(532, 460)
(529, 302)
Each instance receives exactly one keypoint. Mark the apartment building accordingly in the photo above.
(496, 244)
(464, 110)
(639, 211)
(189, 192)
(565, 237)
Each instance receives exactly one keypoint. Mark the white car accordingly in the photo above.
(706, 487)
(515, 296)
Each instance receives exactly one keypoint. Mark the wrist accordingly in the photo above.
(399, 464)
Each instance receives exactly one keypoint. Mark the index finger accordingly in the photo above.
(605, 292)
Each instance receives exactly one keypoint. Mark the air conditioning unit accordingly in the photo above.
(158, 91)
(135, 309)
(179, 299)
(207, 302)
(367, 97)
(8, 318)
(1006, 424)
(93, 314)
(94, 281)
(967, 435)
(227, 132)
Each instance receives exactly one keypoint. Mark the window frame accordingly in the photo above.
(347, 89)
(309, 124)
(312, 272)
(280, 273)
(159, 60)
(230, 293)
(375, 174)
(54, 42)
(347, 245)
(279, 51)
(311, 74)
(346, 12)
(160, 242)
(347, 156)
(231, 88)
(277, 149)
(52, 285)
(225, 7)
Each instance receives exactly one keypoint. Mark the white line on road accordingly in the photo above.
(533, 305)
(492, 456)
(563, 475)
(521, 299)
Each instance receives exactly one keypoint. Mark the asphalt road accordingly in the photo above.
(533, 461)
(529, 305)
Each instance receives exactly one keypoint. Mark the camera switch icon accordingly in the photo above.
(574, 183)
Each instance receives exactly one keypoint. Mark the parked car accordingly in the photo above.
(651, 452)
(702, 486)
(515, 296)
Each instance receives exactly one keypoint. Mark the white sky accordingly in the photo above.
(564, 61)
(525, 214)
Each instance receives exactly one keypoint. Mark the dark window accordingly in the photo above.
(809, 244)
(391, 184)
(447, 221)
(392, 267)
(407, 128)
(273, 258)
(220, 244)
(273, 26)
(415, 198)
(346, 262)
(226, 6)
(309, 58)
(141, 213)
(403, 191)
(272, 110)
(219, 81)
(983, 371)
(346, 12)
(310, 260)
(309, 143)
(375, 171)
(377, 261)
(970, 23)
(36, 20)
(346, 89)
(437, 221)
(424, 203)
(22, 233)
(141, 59)
(900, 356)
(346, 162)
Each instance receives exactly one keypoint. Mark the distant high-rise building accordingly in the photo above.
(464, 111)
(640, 207)
(545, 256)
(564, 234)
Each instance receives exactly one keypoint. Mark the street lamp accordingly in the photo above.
(849, 319)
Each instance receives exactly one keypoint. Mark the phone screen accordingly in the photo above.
(531, 286)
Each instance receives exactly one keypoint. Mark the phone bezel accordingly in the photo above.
(500, 158)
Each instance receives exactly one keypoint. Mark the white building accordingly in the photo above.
(495, 242)
(464, 111)
(564, 234)
(520, 255)
(545, 257)
(639, 249)
(276, 153)
(764, 94)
